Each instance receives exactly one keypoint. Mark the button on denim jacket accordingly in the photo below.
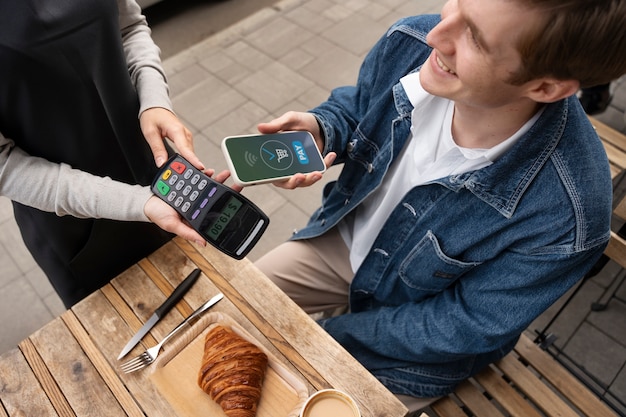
(464, 263)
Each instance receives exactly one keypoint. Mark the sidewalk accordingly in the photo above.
(288, 57)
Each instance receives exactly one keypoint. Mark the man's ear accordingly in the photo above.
(549, 90)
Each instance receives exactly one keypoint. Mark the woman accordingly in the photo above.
(75, 76)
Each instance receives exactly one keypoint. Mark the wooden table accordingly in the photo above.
(69, 367)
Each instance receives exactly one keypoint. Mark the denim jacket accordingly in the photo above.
(464, 263)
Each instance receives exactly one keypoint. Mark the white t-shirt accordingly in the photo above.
(429, 154)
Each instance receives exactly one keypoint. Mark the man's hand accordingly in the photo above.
(295, 121)
(157, 124)
(299, 121)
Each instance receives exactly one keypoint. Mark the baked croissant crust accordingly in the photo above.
(232, 372)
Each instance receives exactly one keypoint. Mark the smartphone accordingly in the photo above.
(224, 218)
(257, 159)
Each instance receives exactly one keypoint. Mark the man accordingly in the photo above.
(474, 191)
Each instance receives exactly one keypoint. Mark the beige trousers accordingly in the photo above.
(316, 274)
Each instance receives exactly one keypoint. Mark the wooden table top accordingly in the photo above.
(69, 367)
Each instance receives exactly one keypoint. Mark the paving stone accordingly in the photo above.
(22, 313)
(273, 85)
(209, 152)
(296, 59)
(318, 5)
(596, 352)
(223, 66)
(39, 282)
(618, 387)
(186, 79)
(279, 37)
(621, 292)
(6, 209)
(609, 273)
(356, 35)
(338, 12)
(312, 97)
(9, 271)
(248, 56)
(54, 304)
(569, 320)
(333, 68)
(611, 321)
(376, 11)
(11, 239)
(207, 102)
(242, 120)
(310, 19)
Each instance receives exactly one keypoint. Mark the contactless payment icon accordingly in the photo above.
(250, 158)
(276, 155)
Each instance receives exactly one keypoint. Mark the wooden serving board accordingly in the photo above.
(176, 373)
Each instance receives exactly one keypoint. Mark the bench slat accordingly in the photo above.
(530, 384)
(447, 407)
(615, 170)
(562, 379)
(620, 210)
(616, 249)
(476, 401)
(608, 134)
(616, 156)
(505, 394)
(614, 144)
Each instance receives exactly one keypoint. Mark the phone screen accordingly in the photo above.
(258, 158)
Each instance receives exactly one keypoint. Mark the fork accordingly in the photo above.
(150, 355)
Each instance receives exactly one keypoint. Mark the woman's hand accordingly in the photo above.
(168, 219)
(157, 124)
(164, 216)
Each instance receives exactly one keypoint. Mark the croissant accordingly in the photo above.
(232, 372)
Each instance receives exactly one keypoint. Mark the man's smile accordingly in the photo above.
(444, 66)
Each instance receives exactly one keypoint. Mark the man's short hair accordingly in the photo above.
(583, 40)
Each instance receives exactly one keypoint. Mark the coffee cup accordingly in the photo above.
(330, 402)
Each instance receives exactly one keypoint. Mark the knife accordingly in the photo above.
(163, 309)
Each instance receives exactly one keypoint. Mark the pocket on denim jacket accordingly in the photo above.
(428, 268)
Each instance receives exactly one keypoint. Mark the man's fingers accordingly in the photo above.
(329, 159)
(288, 121)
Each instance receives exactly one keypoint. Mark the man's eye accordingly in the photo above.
(473, 38)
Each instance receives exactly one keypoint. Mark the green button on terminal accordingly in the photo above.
(162, 187)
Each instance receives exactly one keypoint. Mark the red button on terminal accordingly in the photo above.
(178, 167)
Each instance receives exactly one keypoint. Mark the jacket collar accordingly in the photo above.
(503, 183)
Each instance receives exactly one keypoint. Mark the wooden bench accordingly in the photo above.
(614, 144)
(529, 382)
